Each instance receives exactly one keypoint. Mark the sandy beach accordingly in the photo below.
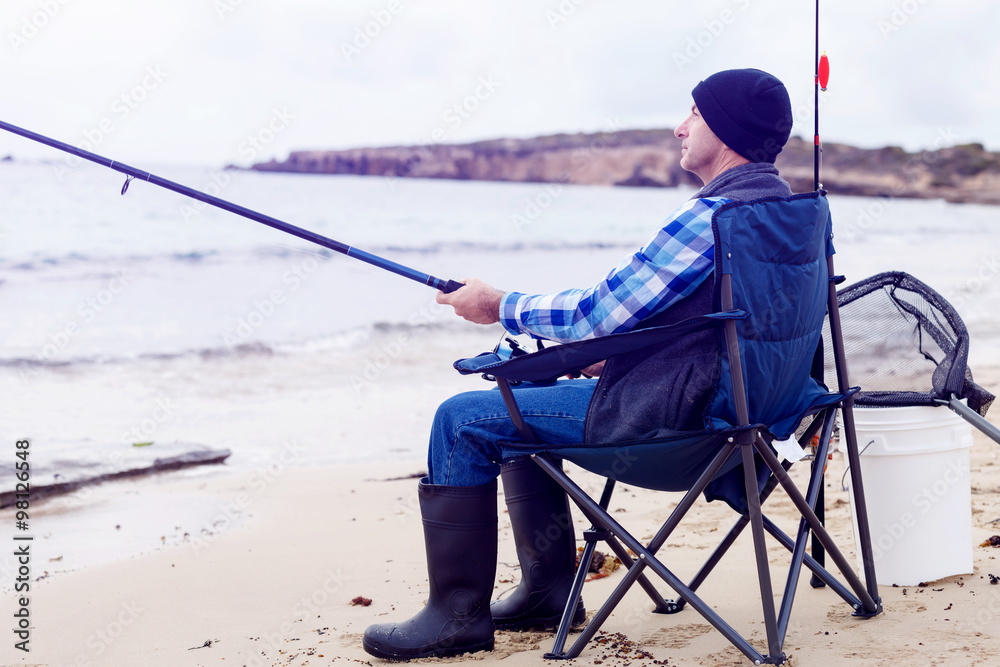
(259, 565)
(286, 323)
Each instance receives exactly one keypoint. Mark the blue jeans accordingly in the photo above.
(465, 446)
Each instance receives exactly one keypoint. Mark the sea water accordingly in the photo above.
(150, 317)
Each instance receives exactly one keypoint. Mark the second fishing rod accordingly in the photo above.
(132, 173)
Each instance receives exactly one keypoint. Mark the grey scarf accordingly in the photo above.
(747, 182)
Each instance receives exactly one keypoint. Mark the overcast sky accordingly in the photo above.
(239, 81)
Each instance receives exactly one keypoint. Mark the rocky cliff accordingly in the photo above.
(649, 158)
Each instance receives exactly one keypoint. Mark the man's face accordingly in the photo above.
(701, 150)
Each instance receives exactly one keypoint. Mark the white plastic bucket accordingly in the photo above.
(915, 462)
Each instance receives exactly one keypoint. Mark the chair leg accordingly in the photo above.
(728, 541)
(744, 520)
(592, 536)
(647, 559)
(813, 492)
(760, 552)
(871, 603)
(559, 645)
(599, 517)
(870, 606)
(721, 550)
(562, 632)
(818, 554)
(817, 569)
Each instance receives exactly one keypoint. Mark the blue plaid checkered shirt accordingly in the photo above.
(678, 258)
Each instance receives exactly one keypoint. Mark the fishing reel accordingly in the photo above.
(508, 348)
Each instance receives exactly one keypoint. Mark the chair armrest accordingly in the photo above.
(558, 360)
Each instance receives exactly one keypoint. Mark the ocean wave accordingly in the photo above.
(253, 349)
(77, 260)
(188, 257)
(338, 342)
(494, 247)
(29, 365)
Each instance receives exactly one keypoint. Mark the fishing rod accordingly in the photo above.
(131, 172)
(821, 79)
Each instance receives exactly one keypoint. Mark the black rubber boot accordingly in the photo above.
(546, 549)
(460, 536)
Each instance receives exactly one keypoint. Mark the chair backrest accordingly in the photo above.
(775, 251)
(772, 261)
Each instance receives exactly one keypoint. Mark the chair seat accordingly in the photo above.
(671, 463)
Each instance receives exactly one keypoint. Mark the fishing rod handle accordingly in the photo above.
(448, 286)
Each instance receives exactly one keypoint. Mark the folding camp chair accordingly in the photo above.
(773, 287)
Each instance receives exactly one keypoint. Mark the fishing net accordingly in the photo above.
(905, 345)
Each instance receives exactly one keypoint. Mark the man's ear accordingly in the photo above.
(732, 156)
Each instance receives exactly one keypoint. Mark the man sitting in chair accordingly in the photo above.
(739, 122)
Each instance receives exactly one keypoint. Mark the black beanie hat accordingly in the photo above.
(748, 110)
